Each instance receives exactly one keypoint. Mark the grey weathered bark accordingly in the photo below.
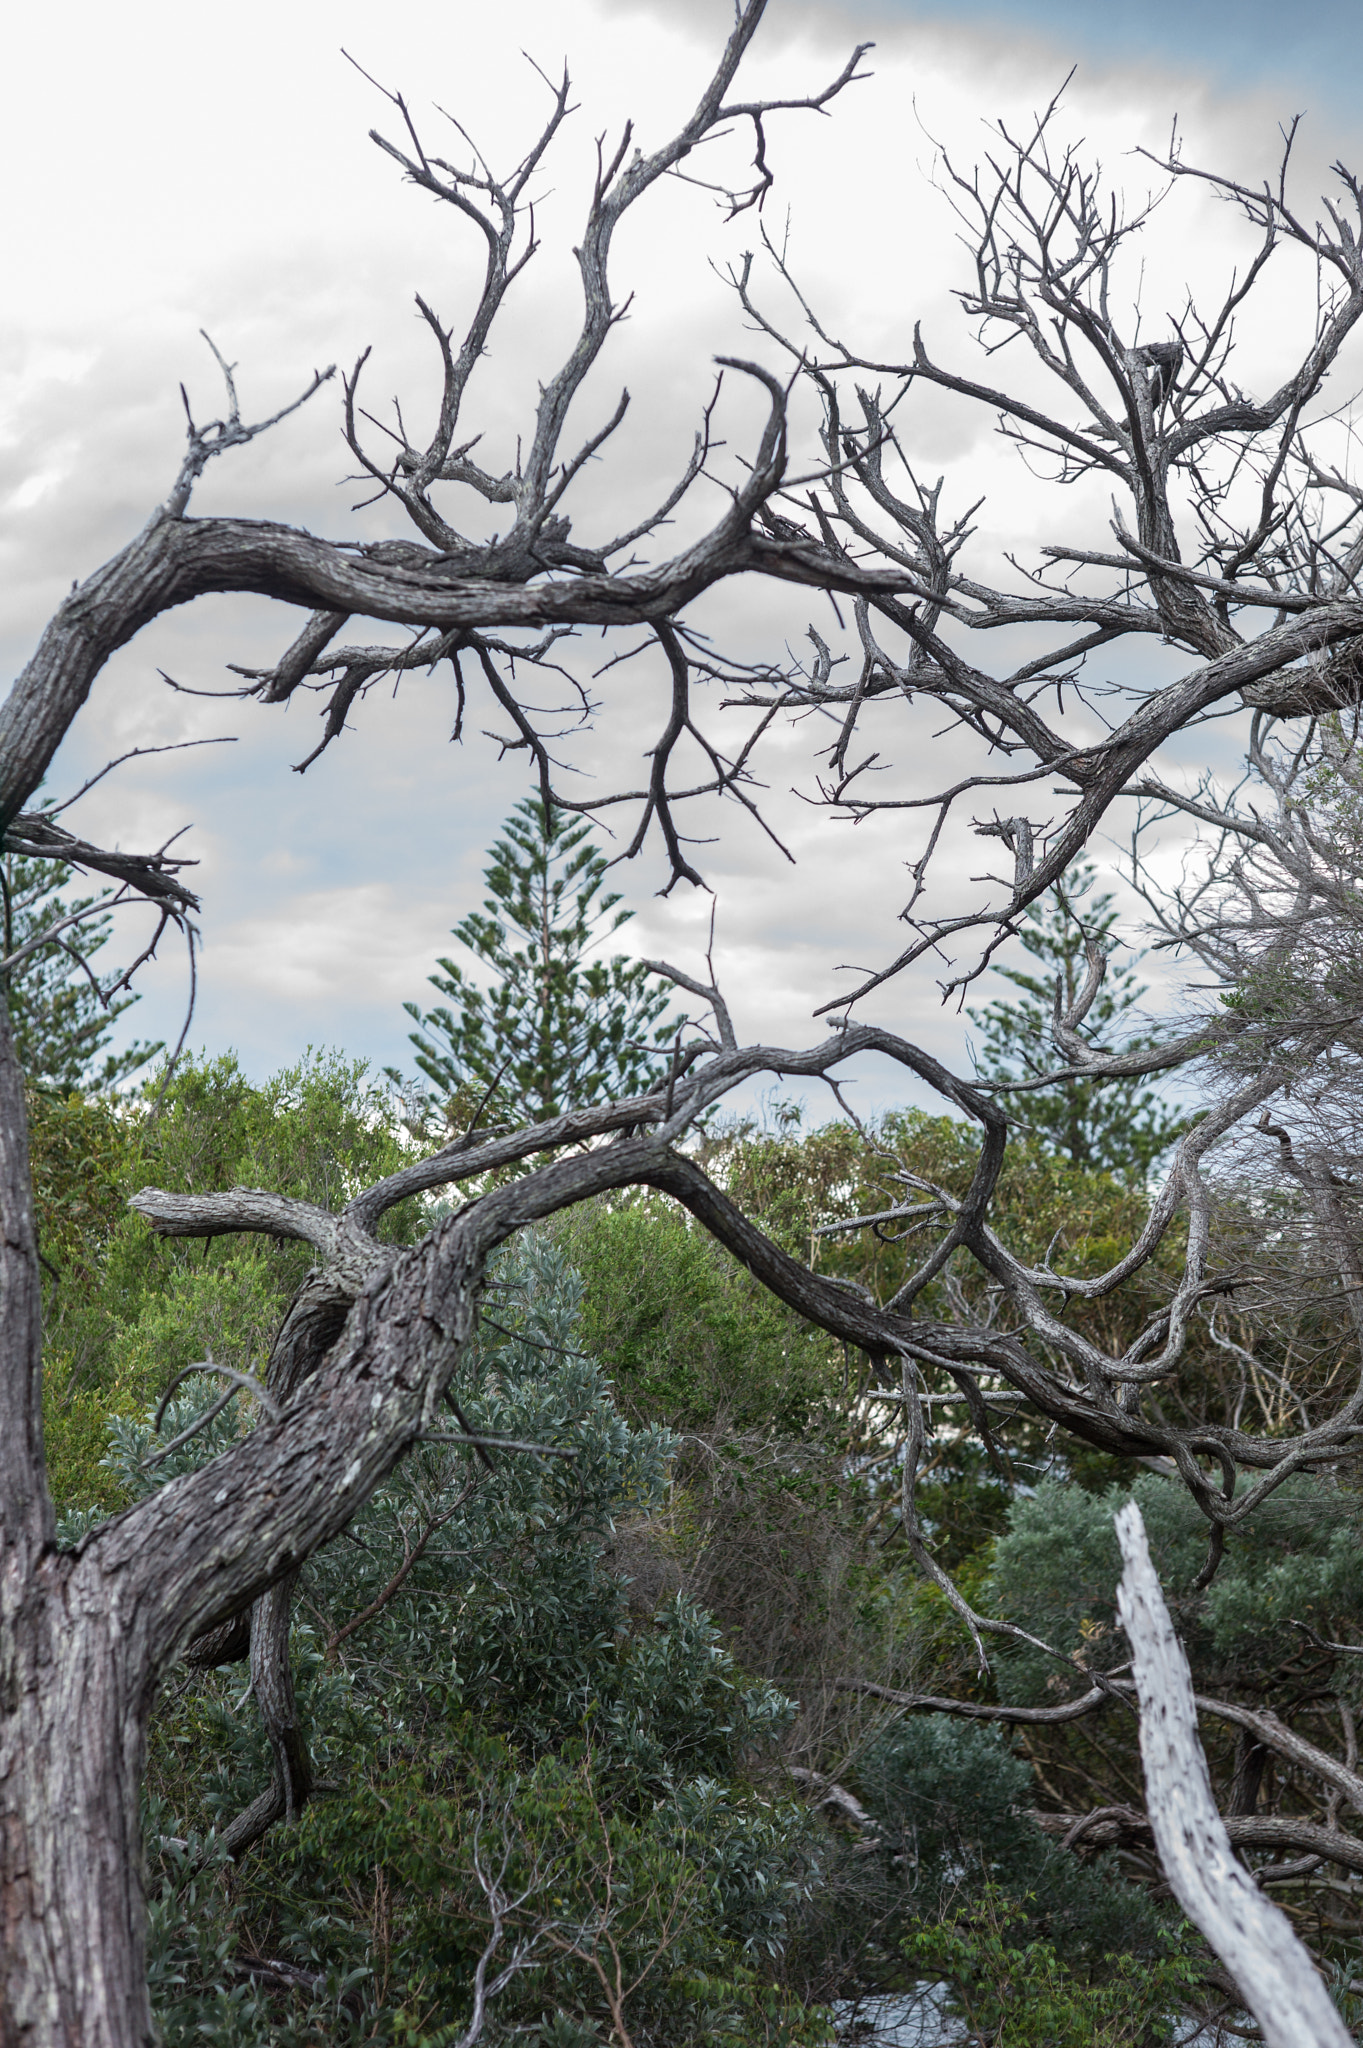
(314, 1321)
(1275, 1974)
(88, 1633)
(272, 1685)
(364, 1356)
(1154, 422)
(368, 1348)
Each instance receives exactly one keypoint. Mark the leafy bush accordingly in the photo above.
(1017, 1992)
(124, 1309)
(951, 1802)
(501, 1712)
(685, 1332)
(1296, 1558)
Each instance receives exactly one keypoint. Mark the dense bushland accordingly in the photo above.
(611, 1726)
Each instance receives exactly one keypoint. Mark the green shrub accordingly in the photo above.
(1017, 1992)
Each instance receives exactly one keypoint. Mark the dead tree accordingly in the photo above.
(1236, 538)
(361, 1365)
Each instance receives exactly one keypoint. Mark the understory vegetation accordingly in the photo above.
(630, 1709)
(616, 1732)
(541, 1556)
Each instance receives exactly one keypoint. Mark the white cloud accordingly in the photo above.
(298, 950)
(224, 180)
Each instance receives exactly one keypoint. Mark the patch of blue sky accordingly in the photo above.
(1315, 51)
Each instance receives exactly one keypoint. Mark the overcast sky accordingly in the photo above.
(169, 169)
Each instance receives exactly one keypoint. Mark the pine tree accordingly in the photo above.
(553, 1030)
(62, 1017)
(1119, 1126)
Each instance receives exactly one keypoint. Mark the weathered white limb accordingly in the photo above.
(826, 1792)
(239, 1209)
(1275, 1975)
(350, 1256)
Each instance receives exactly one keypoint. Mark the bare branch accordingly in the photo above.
(1253, 1939)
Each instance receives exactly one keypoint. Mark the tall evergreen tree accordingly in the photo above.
(553, 1029)
(62, 1017)
(1121, 1126)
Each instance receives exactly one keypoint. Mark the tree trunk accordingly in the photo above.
(272, 1683)
(72, 1956)
(72, 1708)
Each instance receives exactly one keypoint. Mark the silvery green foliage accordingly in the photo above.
(512, 1605)
(137, 1448)
(510, 1621)
(763, 1859)
(201, 1993)
(1296, 1559)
